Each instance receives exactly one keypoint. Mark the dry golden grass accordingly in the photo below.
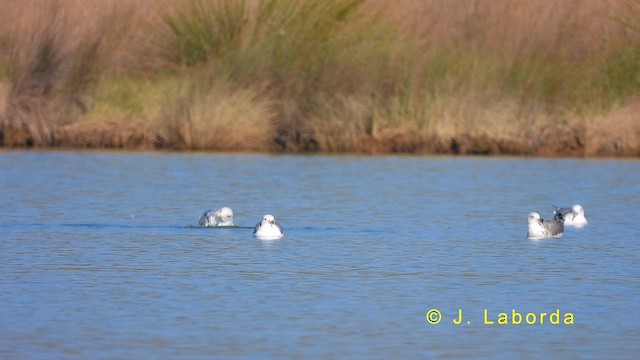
(55, 52)
(538, 77)
(338, 127)
(5, 88)
(572, 29)
(110, 132)
(614, 133)
(217, 117)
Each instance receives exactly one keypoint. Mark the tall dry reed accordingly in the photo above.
(55, 54)
(479, 76)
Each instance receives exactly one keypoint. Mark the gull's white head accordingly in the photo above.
(225, 213)
(577, 218)
(534, 217)
(268, 219)
(577, 209)
(535, 229)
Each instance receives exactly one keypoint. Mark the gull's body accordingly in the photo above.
(267, 229)
(220, 217)
(573, 216)
(540, 229)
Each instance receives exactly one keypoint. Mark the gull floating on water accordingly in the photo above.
(220, 217)
(540, 229)
(267, 229)
(573, 216)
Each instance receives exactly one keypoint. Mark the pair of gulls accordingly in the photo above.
(266, 229)
(541, 229)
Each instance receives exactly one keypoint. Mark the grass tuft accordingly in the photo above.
(216, 116)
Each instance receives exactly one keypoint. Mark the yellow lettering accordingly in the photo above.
(486, 321)
(503, 319)
(568, 319)
(515, 315)
(530, 318)
(542, 315)
(459, 318)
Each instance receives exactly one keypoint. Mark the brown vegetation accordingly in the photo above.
(530, 77)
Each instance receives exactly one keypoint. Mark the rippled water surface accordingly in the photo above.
(100, 257)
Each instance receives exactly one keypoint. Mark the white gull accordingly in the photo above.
(220, 217)
(573, 216)
(540, 229)
(267, 229)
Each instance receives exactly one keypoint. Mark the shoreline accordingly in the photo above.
(362, 153)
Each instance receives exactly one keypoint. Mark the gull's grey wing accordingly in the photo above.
(554, 227)
(208, 213)
(255, 229)
(280, 228)
(203, 218)
(561, 213)
(564, 211)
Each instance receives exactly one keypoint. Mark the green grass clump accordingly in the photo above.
(301, 52)
(621, 74)
(203, 30)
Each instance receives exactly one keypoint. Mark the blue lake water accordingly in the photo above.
(101, 257)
